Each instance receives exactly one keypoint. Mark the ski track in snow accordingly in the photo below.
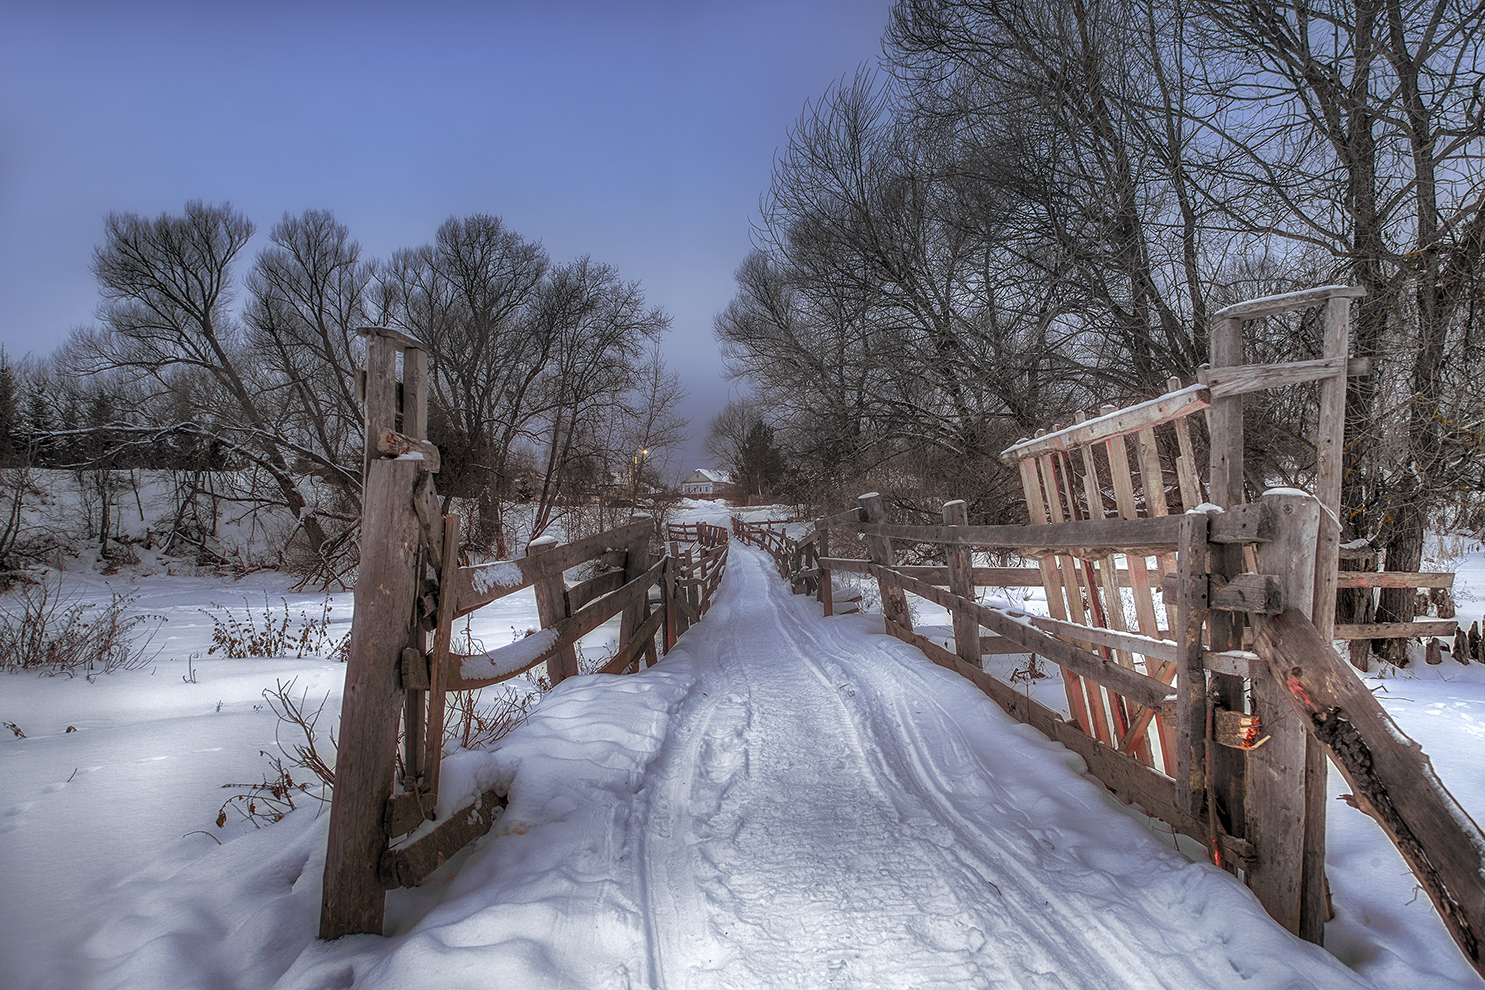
(818, 818)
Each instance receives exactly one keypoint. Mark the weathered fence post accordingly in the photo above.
(354, 898)
(1225, 629)
(636, 562)
(1191, 770)
(1287, 874)
(962, 583)
(825, 593)
(439, 662)
(551, 608)
(894, 600)
(667, 596)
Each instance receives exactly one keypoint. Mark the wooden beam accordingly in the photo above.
(628, 652)
(1132, 419)
(961, 584)
(1392, 778)
(1396, 630)
(1241, 523)
(398, 337)
(394, 444)
(354, 899)
(1138, 688)
(438, 664)
(569, 630)
(1287, 302)
(848, 519)
(1092, 538)
(1190, 771)
(551, 610)
(480, 584)
(1244, 378)
(594, 588)
(1278, 772)
(1393, 579)
(410, 865)
(879, 545)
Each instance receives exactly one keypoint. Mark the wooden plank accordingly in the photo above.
(1392, 778)
(1191, 679)
(410, 865)
(1244, 378)
(848, 519)
(879, 545)
(1277, 771)
(1241, 523)
(1171, 406)
(438, 662)
(569, 630)
(1260, 593)
(1287, 302)
(1157, 649)
(407, 811)
(380, 408)
(1393, 579)
(825, 594)
(667, 598)
(1396, 630)
(961, 583)
(1084, 537)
(1085, 700)
(551, 610)
(394, 444)
(644, 634)
(1017, 627)
(1186, 473)
(584, 592)
(353, 897)
(415, 398)
(1234, 663)
(1330, 438)
(480, 584)
(398, 338)
(988, 577)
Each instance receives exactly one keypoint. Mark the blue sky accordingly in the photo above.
(642, 134)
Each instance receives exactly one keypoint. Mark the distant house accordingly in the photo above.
(703, 483)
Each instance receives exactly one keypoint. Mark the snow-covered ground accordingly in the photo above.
(783, 801)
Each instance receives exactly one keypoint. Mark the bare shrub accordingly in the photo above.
(279, 635)
(269, 800)
(470, 724)
(50, 628)
(266, 802)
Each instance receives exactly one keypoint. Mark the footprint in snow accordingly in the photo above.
(10, 818)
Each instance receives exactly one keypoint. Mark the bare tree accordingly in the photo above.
(308, 294)
(1358, 128)
(167, 291)
(470, 297)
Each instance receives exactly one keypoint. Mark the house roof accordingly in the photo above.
(701, 475)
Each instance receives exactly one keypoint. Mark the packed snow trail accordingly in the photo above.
(820, 817)
(787, 801)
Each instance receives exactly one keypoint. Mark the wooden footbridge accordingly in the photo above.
(1193, 629)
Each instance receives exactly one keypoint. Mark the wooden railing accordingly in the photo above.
(401, 664)
(699, 551)
(1227, 775)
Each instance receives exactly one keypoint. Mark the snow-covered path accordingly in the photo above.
(791, 802)
(832, 811)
